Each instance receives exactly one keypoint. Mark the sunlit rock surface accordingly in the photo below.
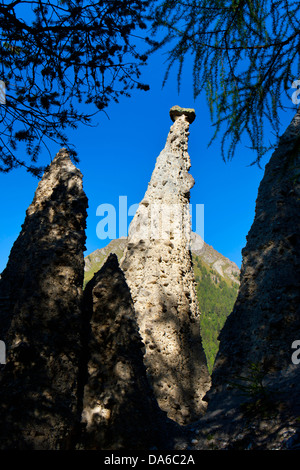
(158, 269)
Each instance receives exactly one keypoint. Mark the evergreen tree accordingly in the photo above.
(56, 54)
(245, 58)
(216, 299)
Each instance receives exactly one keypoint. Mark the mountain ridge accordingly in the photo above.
(211, 257)
(217, 283)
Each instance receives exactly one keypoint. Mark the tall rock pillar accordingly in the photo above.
(265, 321)
(158, 268)
(119, 407)
(40, 315)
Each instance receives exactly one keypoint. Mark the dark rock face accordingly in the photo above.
(258, 335)
(119, 408)
(40, 311)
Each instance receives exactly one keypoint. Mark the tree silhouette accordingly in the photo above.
(245, 58)
(56, 55)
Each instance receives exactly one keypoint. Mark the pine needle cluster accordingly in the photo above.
(245, 59)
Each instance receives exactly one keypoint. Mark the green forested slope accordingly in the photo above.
(216, 297)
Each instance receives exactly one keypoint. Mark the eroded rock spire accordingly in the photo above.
(119, 407)
(158, 269)
(40, 315)
(254, 373)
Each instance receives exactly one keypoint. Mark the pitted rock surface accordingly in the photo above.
(158, 269)
(254, 399)
(40, 310)
(119, 407)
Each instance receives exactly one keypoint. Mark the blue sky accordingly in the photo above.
(118, 156)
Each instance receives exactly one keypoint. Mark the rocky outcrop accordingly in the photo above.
(95, 260)
(41, 294)
(158, 268)
(254, 376)
(119, 407)
(75, 375)
(217, 262)
(222, 265)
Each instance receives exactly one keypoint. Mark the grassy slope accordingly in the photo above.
(98, 257)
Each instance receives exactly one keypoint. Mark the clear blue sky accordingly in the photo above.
(118, 156)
